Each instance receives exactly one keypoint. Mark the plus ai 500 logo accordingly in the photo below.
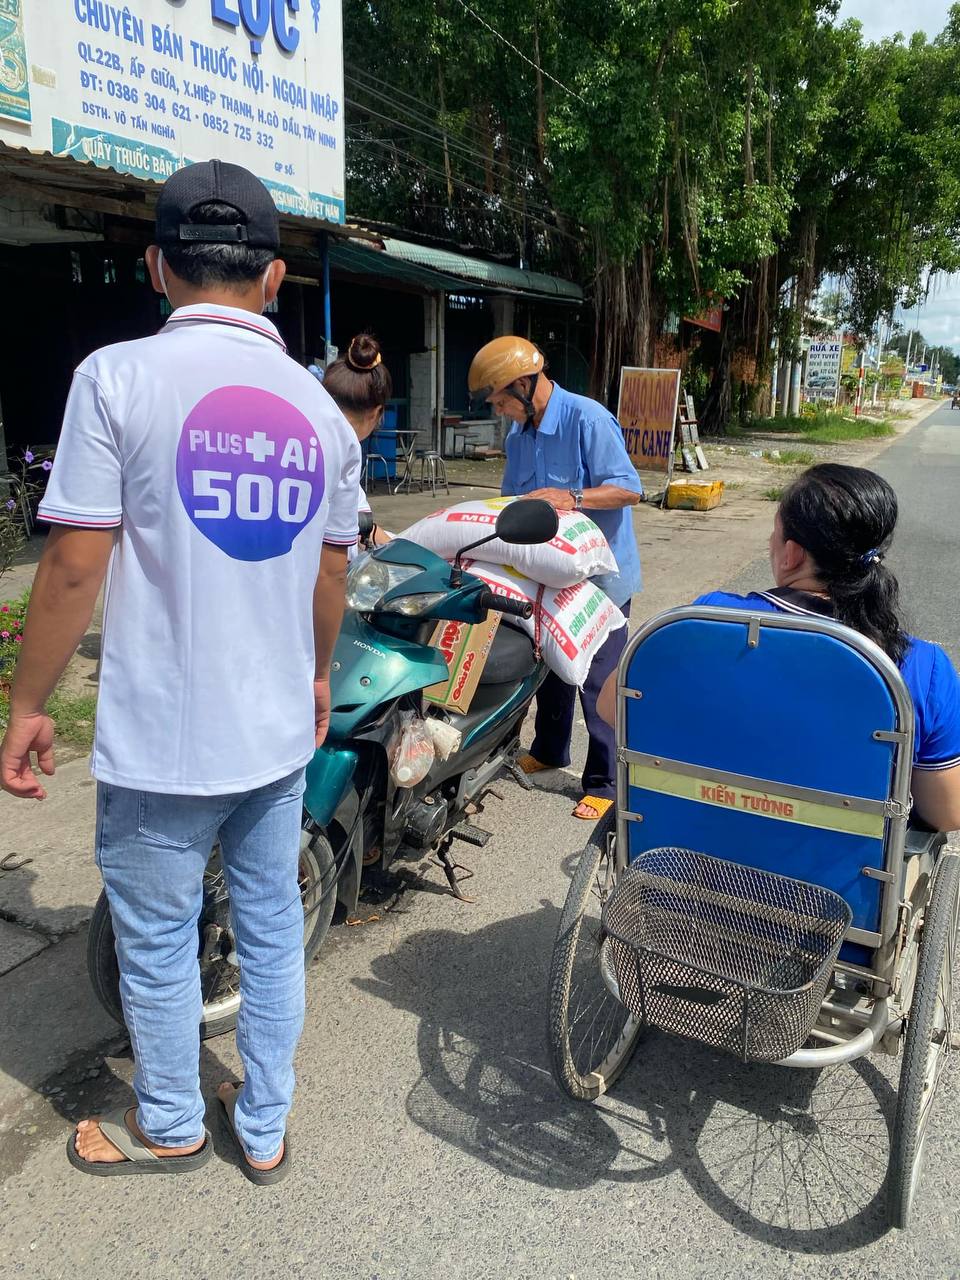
(250, 472)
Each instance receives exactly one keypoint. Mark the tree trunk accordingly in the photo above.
(541, 127)
(718, 403)
(446, 149)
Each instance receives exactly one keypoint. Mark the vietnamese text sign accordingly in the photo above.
(147, 86)
(823, 365)
(14, 83)
(647, 412)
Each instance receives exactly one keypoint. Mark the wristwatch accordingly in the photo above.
(577, 496)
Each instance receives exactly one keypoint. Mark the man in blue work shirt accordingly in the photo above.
(568, 450)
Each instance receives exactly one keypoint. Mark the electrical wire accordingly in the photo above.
(439, 141)
(445, 135)
(520, 54)
(413, 162)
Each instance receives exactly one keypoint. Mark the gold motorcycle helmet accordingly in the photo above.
(498, 365)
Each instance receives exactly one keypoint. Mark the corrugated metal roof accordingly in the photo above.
(359, 260)
(490, 275)
(441, 269)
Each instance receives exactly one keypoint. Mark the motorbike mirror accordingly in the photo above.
(527, 522)
(521, 524)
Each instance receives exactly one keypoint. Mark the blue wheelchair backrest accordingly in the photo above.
(774, 741)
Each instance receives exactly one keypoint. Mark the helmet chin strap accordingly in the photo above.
(526, 401)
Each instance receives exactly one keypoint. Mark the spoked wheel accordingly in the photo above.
(930, 1026)
(592, 1035)
(219, 969)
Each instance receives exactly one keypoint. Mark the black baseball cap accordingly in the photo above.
(257, 225)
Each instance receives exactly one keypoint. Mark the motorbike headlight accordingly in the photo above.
(369, 579)
(415, 606)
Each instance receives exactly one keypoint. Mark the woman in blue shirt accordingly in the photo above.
(833, 528)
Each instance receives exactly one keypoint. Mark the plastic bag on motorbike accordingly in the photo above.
(570, 624)
(578, 551)
(411, 752)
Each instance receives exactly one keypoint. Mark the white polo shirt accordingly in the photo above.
(225, 466)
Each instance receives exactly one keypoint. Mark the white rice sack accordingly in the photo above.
(578, 551)
(574, 621)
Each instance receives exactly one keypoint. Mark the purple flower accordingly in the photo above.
(18, 639)
(4, 608)
(28, 456)
(4, 635)
(10, 504)
(47, 465)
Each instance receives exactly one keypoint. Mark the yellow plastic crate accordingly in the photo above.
(694, 495)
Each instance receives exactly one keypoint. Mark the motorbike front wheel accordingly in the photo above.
(216, 951)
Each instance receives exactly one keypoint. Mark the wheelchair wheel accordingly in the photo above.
(591, 1034)
(927, 1043)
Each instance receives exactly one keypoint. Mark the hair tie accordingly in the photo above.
(362, 368)
(873, 556)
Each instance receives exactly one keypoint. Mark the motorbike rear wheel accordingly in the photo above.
(219, 974)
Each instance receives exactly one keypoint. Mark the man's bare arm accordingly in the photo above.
(328, 606)
(64, 593)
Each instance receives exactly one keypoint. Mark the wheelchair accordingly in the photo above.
(759, 888)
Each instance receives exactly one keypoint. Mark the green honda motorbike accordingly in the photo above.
(358, 821)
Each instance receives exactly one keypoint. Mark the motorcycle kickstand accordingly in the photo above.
(450, 867)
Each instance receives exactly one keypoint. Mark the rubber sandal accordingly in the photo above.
(259, 1177)
(139, 1158)
(600, 803)
(530, 764)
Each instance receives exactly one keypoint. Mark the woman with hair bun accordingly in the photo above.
(360, 385)
(833, 528)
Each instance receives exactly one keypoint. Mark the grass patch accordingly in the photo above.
(829, 427)
(72, 715)
(791, 457)
(774, 495)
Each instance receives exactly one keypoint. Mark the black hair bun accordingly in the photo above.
(363, 353)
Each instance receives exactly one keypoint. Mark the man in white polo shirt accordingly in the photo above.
(214, 483)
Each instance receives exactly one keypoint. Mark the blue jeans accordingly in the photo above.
(152, 850)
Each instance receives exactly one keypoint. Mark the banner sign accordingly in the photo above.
(823, 366)
(647, 413)
(710, 318)
(148, 86)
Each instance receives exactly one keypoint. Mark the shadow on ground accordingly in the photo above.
(792, 1158)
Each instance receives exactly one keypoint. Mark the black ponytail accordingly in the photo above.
(844, 517)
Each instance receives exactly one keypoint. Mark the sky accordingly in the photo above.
(939, 319)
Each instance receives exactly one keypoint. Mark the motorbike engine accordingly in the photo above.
(426, 821)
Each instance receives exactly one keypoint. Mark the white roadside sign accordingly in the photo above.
(823, 367)
(147, 86)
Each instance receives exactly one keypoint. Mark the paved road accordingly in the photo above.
(430, 1140)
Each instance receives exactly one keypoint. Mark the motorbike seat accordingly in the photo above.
(511, 657)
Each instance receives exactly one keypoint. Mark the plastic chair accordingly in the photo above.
(433, 471)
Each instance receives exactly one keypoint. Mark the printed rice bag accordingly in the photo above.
(574, 621)
(578, 551)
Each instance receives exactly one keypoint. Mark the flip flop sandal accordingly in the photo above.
(259, 1177)
(600, 803)
(530, 764)
(139, 1158)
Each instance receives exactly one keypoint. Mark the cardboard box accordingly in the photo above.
(466, 647)
(694, 495)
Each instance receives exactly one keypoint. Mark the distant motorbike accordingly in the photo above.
(357, 820)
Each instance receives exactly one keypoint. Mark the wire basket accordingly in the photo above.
(721, 953)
